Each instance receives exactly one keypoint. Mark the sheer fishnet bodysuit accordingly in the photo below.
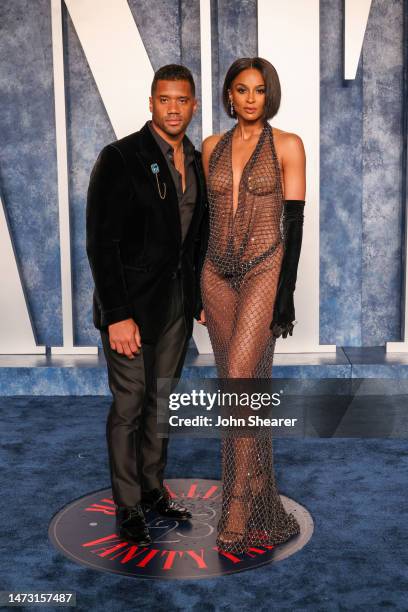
(239, 282)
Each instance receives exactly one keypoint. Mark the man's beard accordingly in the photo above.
(172, 130)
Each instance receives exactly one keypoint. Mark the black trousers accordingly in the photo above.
(137, 456)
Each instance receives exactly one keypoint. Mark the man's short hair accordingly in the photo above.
(173, 72)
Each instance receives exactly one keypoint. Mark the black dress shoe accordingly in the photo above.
(131, 525)
(160, 501)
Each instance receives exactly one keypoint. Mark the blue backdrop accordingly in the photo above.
(362, 142)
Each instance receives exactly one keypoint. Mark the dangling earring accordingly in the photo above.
(232, 111)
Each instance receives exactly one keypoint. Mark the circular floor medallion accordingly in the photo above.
(85, 532)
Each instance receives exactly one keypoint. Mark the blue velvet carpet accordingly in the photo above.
(53, 451)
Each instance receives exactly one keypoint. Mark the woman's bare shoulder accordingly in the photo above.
(210, 142)
(288, 143)
(287, 139)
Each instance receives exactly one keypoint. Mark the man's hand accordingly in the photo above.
(124, 337)
(202, 319)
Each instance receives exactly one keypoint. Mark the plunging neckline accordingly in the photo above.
(250, 158)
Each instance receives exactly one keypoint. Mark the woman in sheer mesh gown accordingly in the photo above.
(247, 285)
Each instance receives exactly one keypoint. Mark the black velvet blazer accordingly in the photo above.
(133, 237)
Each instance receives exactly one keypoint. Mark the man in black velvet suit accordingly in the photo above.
(147, 228)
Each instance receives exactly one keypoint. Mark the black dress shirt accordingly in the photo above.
(186, 199)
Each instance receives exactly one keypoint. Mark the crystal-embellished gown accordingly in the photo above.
(238, 284)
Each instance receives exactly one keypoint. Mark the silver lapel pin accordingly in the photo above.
(155, 169)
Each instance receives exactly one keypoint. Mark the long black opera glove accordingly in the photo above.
(284, 309)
